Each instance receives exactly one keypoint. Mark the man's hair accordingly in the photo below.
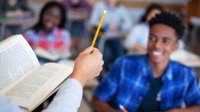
(169, 19)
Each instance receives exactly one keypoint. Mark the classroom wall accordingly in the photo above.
(136, 7)
(193, 8)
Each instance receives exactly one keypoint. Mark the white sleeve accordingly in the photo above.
(8, 106)
(131, 39)
(96, 14)
(68, 98)
(138, 35)
(127, 23)
(181, 44)
(67, 39)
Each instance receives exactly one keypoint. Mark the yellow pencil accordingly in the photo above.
(98, 28)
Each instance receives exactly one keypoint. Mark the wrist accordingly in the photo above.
(79, 78)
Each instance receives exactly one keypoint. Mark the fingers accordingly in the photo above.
(96, 50)
(100, 68)
(97, 53)
(93, 51)
(87, 50)
(100, 64)
(99, 56)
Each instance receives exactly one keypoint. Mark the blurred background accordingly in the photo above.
(68, 26)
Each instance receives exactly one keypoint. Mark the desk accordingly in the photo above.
(77, 15)
(185, 57)
(27, 22)
(105, 37)
(189, 59)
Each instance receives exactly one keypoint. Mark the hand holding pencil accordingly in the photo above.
(90, 58)
(88, 65)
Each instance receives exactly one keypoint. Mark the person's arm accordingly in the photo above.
(67, 40)
(127, 23)
(137, 39)
(8, 106)
(102, 106)
(139, 48)
(87, 66)
(68, 97)
(95, 15)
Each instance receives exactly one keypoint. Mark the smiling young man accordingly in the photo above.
(151, 82)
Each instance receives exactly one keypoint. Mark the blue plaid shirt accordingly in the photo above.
(129, 79)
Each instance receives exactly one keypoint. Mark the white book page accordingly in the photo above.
(16, 59)
(34, 88)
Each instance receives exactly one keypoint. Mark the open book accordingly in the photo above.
(41, 53)
(22, 79)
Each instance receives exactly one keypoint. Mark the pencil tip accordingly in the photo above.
(104, 11)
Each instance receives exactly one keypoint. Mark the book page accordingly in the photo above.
(34, 88)
(16, 59)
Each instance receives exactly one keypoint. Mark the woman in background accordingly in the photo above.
(78, 12)
(137, 39)
(50, 33)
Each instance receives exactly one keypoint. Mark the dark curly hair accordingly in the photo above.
(149, 9)
(170, 19)
(49, 5)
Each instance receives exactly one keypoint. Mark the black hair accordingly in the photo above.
(149, 9)
(49, 5)
(170, 19)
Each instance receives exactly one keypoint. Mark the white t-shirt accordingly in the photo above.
(138, 35)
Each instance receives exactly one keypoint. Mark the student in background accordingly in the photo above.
(137, 39)
(151, 82)
(116, 22)
(78, 11)
(87, 66)
(50, 33)
(117, 17)
(14, 9)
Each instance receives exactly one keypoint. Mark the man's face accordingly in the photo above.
(162, 42)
